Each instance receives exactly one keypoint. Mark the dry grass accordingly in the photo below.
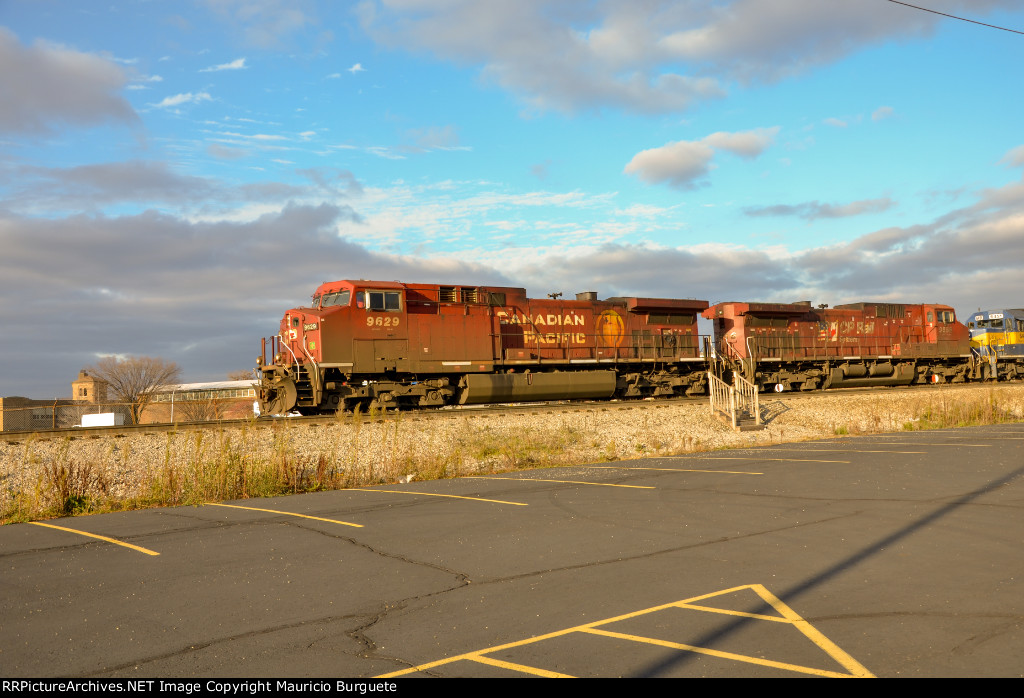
(258, 460)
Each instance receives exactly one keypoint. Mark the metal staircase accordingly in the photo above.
(737, 405)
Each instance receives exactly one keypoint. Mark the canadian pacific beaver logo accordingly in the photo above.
(609, 329)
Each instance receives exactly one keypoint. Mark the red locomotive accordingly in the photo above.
(395, 344)
(796, 346)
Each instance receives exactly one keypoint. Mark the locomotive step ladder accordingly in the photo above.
(737, 405)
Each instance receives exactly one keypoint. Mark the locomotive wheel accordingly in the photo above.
(281, 397)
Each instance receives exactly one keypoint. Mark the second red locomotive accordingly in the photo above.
(396, 344)
(789, 346)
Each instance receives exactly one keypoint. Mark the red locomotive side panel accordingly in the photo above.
(626, 329)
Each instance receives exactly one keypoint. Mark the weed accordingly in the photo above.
(70, 488)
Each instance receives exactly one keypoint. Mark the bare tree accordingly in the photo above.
(134, 379)
(240, 375)
(206, 410)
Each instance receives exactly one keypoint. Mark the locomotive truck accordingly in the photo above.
(395, 344)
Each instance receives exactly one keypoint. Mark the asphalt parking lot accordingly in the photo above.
(885, 555)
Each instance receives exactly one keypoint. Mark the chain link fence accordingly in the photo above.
(66, 414)
(61, 414)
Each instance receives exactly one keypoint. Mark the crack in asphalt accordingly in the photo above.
(358, 634)
(663, 551)
(971, 643)
(216, 641)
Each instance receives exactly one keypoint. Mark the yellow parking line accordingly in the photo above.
(994, 438)
(517, 667)
(451, 496)
(564, 482)
(147, 551)
(843, 450)
(478, 653)
(813, 634)
(286, 513)
(758, 458)
(786, 616)
(672, 470)
(923, 445)
(717, 653)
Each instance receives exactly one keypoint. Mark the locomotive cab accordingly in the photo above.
(998, 332)
(941, 327)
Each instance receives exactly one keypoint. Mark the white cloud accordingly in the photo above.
(1014, 157)
(237, 64)
(225, 153)
(683, 163)
(746, 144)
(384, 152)
(882, 113)
(184, 98)
(435, 138)
(357, 68)
(679, 164)
(267, 24)
(643, 211)
(814, 210)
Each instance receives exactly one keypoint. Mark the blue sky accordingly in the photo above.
(173, 176)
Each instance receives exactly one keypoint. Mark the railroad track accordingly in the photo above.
(461, 412)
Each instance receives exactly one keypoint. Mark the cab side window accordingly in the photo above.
(386, 301)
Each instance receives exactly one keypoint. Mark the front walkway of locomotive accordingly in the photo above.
(389, 344)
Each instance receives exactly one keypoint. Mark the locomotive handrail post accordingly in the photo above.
(285, 345)
(751, 359)
(732, 406)
(314, 376)
(749, 399)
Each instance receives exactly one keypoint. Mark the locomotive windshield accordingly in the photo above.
(338, 298)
